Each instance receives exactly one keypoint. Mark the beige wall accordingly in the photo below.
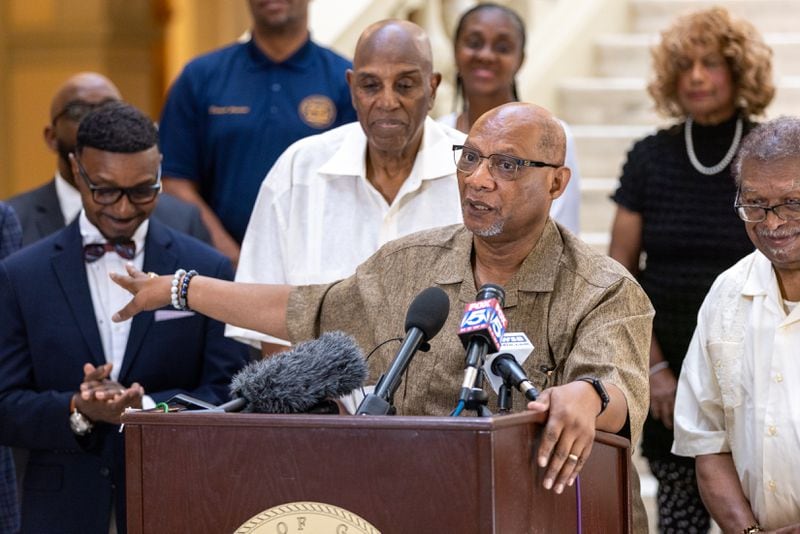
(140, 44)
(197, 26)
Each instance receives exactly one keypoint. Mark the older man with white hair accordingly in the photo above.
(738, 405)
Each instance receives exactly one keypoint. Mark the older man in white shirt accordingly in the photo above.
(333, 199)
(738, 403)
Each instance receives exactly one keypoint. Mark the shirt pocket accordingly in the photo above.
(726, 359)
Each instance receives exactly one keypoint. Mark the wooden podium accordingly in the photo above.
(212, 472)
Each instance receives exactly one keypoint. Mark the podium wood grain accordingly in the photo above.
(209, 472)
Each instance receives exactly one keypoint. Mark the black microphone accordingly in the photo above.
(481, 330)
(425, 317)
(297, 380)
(506, 367)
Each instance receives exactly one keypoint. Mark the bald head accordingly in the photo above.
(393, 88)
(513, 209)
(394, 41)
(88, 87)
(73, 100)
(532, 122)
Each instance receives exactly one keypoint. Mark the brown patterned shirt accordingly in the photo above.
(583, 312)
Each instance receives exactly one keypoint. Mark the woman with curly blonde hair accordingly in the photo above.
(675, 226)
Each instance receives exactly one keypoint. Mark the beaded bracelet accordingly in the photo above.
(176, 279)
(183, 295)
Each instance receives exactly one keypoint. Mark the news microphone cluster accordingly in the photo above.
(481, 330)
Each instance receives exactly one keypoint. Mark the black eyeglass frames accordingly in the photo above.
(501, 166)
(105, 196)
(76, 110)
(788, 211)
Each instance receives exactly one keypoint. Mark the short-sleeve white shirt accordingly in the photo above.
(739, 388)
(317, 216)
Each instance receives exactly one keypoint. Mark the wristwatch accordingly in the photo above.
(601, 391)
(78, 423)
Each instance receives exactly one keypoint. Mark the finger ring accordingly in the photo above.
(151, 274)
(573, 457)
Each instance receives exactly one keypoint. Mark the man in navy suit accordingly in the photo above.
(66, 371)
(48, 208)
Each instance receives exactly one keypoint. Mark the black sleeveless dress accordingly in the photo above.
(690, 234)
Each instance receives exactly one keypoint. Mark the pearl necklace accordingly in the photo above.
(709, 171)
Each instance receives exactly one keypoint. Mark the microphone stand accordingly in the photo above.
(504, 399)
(478, 400)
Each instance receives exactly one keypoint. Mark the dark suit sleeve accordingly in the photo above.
(20, 403)
(181, 216)
(10, 231)
(39, 212)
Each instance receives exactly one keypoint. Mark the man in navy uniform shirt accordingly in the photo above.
(232, 112)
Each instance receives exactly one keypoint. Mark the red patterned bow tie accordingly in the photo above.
(94, 251)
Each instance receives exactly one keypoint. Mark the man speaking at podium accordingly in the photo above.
(585, 315)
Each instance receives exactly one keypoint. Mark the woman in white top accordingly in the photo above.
(489, 48)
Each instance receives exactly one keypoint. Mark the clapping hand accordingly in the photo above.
(103, 399)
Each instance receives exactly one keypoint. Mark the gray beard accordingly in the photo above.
(490, 231)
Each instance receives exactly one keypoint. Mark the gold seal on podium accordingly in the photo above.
(306, 517)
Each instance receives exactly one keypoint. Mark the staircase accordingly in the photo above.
(611, 109)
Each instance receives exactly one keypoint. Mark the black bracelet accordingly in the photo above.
(183, 295)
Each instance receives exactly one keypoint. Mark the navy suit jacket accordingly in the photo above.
(48, 331)
(40, 214)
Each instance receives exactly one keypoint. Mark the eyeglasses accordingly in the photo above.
(106, 196)
(788, 211)
(76, 110)
(501, 167)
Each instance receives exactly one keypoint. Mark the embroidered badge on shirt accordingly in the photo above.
(318, 111)
(228, 110)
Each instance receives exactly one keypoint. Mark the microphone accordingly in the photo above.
(297, 380)
(505, 366)
(481, 330)
(425, 317)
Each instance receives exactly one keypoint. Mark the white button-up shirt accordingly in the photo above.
(317, 216)
(69, 199)
(739, 389)
(108, 297)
